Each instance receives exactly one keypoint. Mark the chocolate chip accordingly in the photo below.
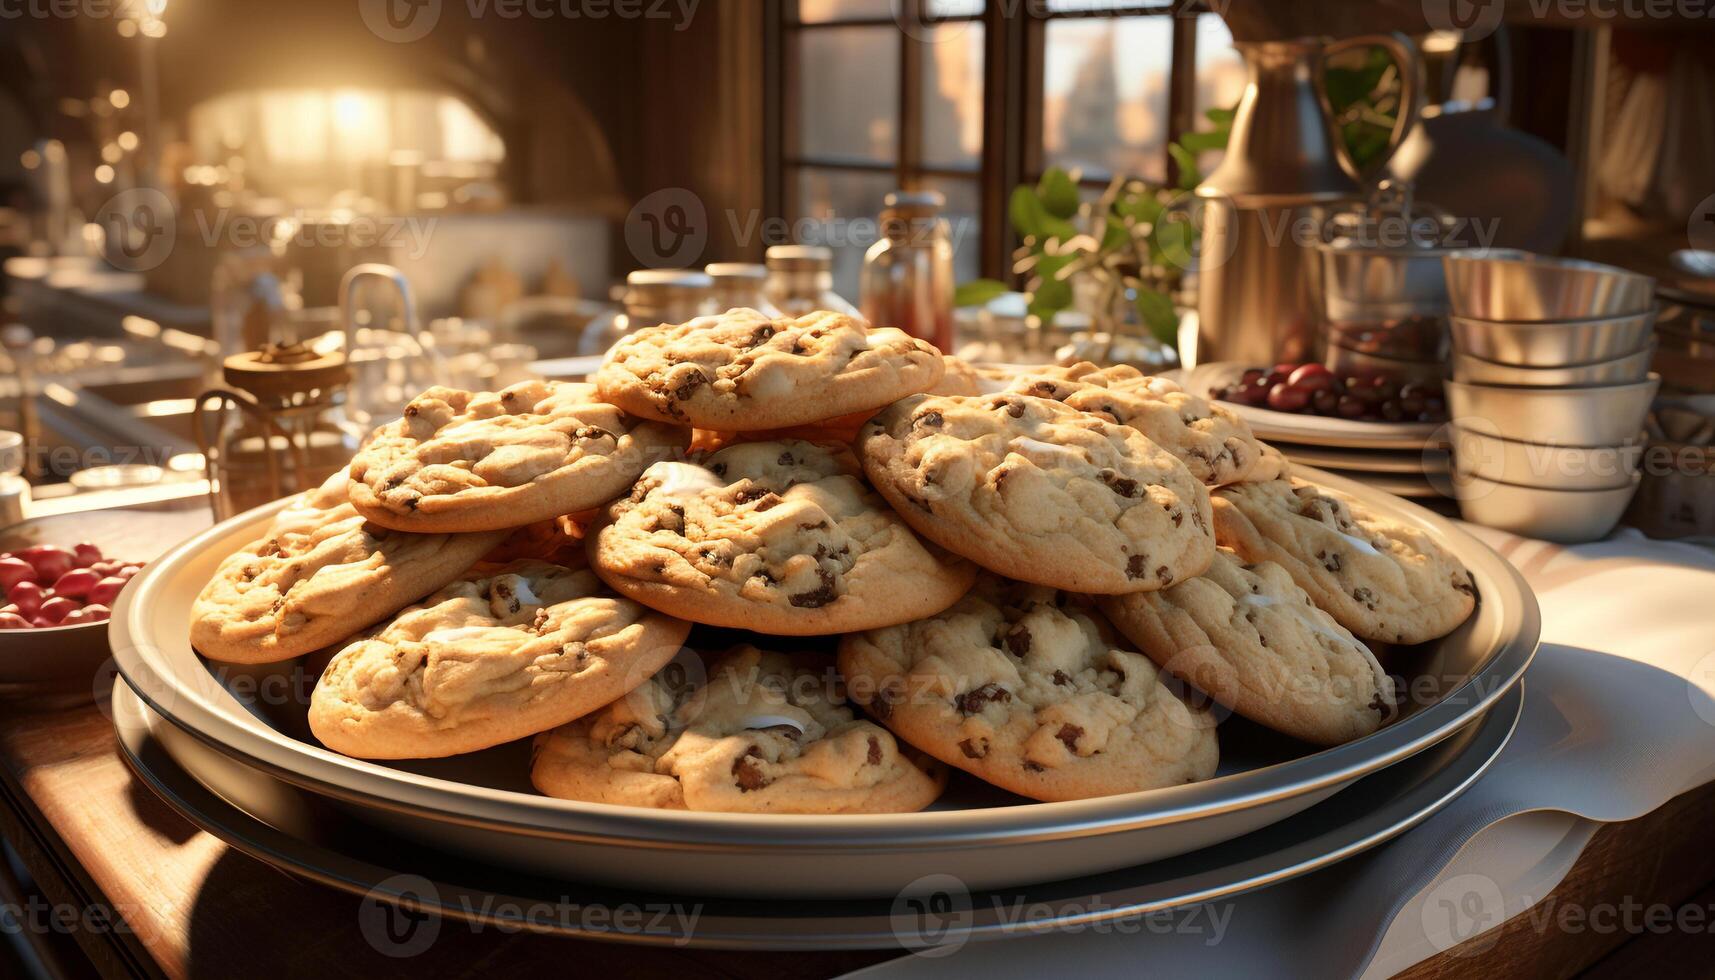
(931, 419)
(411, 411)
(761, 334)
(1365, 596)
(1330, 560)
(1164, 573)
(1045, 389)
(1070, 734)
(1124, 486)
(747, 772)
(974, 750)
(1018, 640)
(973, 701)
(1030, 766)
(689, 386)
(1062, 678)
(1136, 566)
(874, 751)
(820, 596)
(784, 460)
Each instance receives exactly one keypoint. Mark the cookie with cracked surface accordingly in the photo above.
(1380, 578)
(478, 461)
(1252, 640)
(1040, 491)
(779, 537)
(965, 378)
(505, 652)
(769, 733)
(1031, 690)
(742, 371)
(320, 573)
(1208, 437)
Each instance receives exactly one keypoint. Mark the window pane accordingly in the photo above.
(954, 8)
(1104, 98)
(849, 97)
(838, 208)
(1101, 6)
(818, 11)
(953, 95)
(1220, 78)
(964, 223)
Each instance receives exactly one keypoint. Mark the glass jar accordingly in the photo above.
(279, 428)
(738, 285)
(801, 280)
(651, 297)
(908, 273)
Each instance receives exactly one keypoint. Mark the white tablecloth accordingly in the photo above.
(1619, 717)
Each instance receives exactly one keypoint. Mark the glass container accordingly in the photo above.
(801, 280)
(908, 273)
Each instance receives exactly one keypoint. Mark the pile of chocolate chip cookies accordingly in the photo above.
(1020, 576)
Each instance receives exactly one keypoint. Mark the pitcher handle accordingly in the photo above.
(1411, 82)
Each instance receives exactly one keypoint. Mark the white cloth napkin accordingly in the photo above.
(1619, 717)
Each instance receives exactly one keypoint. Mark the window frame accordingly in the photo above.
(1014, 48)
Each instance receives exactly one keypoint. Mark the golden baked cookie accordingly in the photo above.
(742, 371)
(478, 461)
(1208, 437)
(768, 733)
(1380, 578)
(320, 573)
(504, 653)
(1039, 491)
(1252, 640)
(1029, 689)
(778, 537)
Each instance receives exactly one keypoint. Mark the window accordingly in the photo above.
(971, 98)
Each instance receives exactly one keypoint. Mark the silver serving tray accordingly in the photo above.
(481, 805)
(302, 834)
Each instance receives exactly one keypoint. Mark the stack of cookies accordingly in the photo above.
(1047, 581)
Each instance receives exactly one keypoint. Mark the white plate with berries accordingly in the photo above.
(1311, 405)
(59, 577)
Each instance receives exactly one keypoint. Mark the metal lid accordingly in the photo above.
(800, 258)
(277, 372)
(914, 200)
(685, 278)
(728, 271)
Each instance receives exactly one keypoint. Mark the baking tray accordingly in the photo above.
(481, 804)
(302, 834)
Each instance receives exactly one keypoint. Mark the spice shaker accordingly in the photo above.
(908, 273)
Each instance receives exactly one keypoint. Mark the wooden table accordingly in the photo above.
(159, 898)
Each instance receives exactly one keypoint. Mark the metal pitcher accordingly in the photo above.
(1263, 206)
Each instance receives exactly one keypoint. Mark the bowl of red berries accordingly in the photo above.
(59, 577)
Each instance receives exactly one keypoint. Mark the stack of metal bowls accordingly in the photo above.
(1551, 386)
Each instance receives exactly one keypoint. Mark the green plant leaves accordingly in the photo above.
(978, 292)
(1157, 313)
(1058, 193)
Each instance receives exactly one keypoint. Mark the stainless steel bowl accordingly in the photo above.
(1607, 415)
(1559, 344)
(1506, 284)
(1530, 464)
(1566, 516)
(1343, 361)
(1634, 367)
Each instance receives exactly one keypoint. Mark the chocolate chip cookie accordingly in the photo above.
(1210, 438)
(1382, 579)
(320, 573)
(505, 652)
(478, 461)
(779, 537)
(768, 734)
(744, 371)
(1252, 640)
(1031, 690)
(1040, 491)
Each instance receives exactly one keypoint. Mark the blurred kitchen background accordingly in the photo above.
(182, 181)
